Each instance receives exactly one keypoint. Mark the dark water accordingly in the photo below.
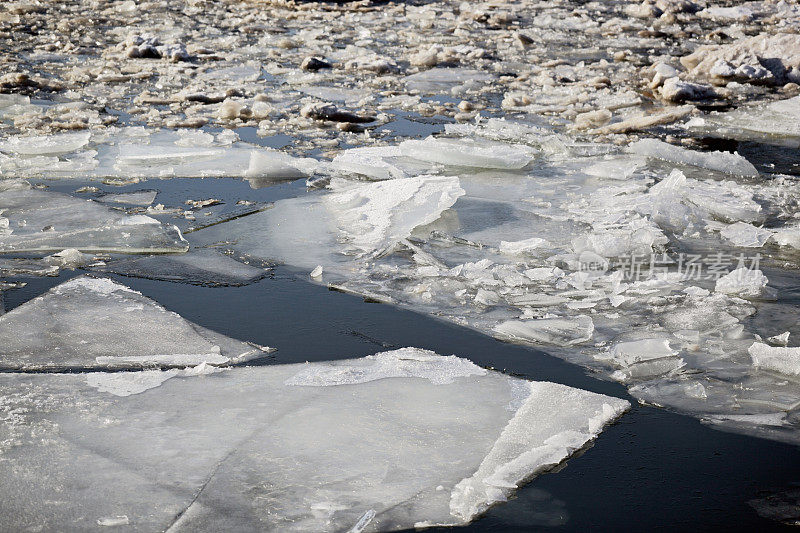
(653, 470)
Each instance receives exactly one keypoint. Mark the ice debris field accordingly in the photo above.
(631, 207)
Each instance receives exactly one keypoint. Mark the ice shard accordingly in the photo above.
(410, 439)
(96, 323)
(44, 221)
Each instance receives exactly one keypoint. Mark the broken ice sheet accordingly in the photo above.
(96, 323)
(44, 221)
(411, 438)
(773, 123)
(507, 252)
(198, 266)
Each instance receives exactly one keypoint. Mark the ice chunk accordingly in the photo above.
(379, 162)
(199, 266)
(632, 352)
(60, 143)
(43, 221)
(743, 282)
(266, 166)
(778, 358)
(557, 331)
(467, 152)
(522, 450)
(522, 247)
(140, 198)
(747, 235)
(775, 122)
(730, 163)
(374, 216)
(453, 448)
(406, 362)
(97, 323)
(444, 79)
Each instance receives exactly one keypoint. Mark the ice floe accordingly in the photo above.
(43, 221)
(411, 438)
(96, 323)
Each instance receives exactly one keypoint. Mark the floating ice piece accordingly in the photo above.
(455, 446)
(374, 216)
(70, 258)
(775, 122)
(730, 163)
(268, 166)
(96, 323)
(467, 152)
(199, 266)
(140, 198)
(746, 235)
(522, 247)
(632, 352)
(616, 168)
(676, 90)
(557, 331)
(43, 221)
(743, 282)
(60, 143)
(379, 162)
(778, 358)
(438, 80)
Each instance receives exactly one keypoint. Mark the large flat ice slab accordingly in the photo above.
(391, 441)
(96, 323)
(36, 220)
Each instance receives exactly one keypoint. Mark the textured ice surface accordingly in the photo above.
(96, 323)
(776, 122)
(467, 152)
(199, 266)
(644, 273)
(43, 221)
(409, 437)
(719, 161)
(140, 152)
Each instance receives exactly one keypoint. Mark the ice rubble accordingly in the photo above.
(37, 220)
(561, 254)
(451, 440)
(778, 358)
(96, 323)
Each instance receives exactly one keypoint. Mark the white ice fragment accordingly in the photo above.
(405, 362)
(458, 447)
(373, 216)
(743, 282)
(70, 258)
(730, 163)
(317, 272)
(468, 152)
(522, 247)
(522, 449)
(746, 235)
(558, 331)
(59, 143)
(778, 358)
(632, 352)
(266, 165)
(96, 323)
(779, 340)
(127, 383)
